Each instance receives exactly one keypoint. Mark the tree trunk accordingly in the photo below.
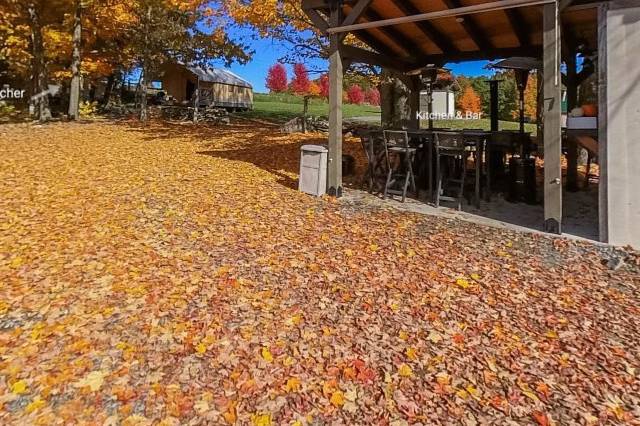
(394, 103)
(111, 81)
(386, 103)
(74, 93)
(40, 94)
(144, 80)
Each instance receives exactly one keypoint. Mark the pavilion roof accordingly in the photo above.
(485, 35)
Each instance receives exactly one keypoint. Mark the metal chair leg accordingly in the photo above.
(462, 179)
(412, 176)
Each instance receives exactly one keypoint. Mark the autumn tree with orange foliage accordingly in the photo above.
(470, 101)
(531, 98)
(40, 39)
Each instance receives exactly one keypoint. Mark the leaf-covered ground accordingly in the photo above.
(172, 275)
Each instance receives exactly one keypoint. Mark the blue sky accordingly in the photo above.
(267, 53)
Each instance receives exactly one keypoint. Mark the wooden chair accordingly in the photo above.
(452, 155)
(401, 166)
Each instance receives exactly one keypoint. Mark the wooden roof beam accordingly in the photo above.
(461, 11)
(470, 26)
(357, 54)
(493, 53)
(356, 12)
(374, 43)
(431, 32)
(394, 34)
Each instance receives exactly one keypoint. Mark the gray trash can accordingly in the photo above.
(313, 169)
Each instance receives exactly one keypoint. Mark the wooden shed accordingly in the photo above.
(213, 86)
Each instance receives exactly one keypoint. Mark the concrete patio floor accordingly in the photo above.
(580, 221)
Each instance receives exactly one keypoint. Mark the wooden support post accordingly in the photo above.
(552, 115)
(196, 102)
(430, 105)
(334, 172)
(603, 159)
(572, 102)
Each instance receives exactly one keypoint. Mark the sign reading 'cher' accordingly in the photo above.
(9, 93)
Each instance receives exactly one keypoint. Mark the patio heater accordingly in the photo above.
(522, 77)
(522, 167)
(494, 90)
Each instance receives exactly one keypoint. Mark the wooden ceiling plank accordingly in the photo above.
(393, 33)
(447, 13)
(471, 27)
(431, 32)
(374, 43)
(518, 25)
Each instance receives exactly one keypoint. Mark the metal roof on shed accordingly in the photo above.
(218, 75)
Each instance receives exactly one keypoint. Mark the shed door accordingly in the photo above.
(191, 88)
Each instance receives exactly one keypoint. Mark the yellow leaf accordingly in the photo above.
(266, 354)
(405, 371)
(201, 348)
(443, 379)
(19, 387)
(394, 306)
(293, 384)
(16, 262)
(475, 393)
(201, 406)
(374, 247)
(94, 380)
(411, 253)
(434, 336)
(348, 252)
(551, 334)
(294, 320)
(261, 419)
(461, 282)
(296, 423)
(34, 405)
(288, 361)
(461, 393)
(403, 335)
(337, 399)
(411, 354)
(526, 390)
(475, 277)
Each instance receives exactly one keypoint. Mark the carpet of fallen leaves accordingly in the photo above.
(173, 275)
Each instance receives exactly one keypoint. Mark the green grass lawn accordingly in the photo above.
(483, 123)
(283, 107)
(279, 108)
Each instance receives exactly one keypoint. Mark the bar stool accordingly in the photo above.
(397, 145)
(452, 156)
